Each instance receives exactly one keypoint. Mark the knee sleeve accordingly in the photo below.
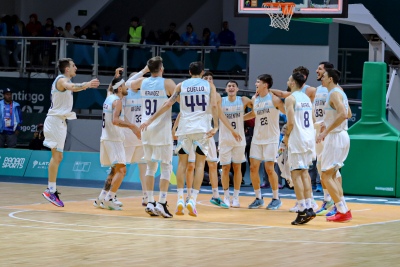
(165, 171)
(151, 168)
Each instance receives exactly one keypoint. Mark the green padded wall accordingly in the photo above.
(371, 166)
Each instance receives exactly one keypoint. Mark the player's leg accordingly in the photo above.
(120, 172)
(255, 180)
(180, 179)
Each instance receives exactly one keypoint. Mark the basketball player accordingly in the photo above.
(198, 101)
(157, 139)
(55, 127)
(264, 145)
(336, 142)
(232, 151)
(300, 137)
(112, 151)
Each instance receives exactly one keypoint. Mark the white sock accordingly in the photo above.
(341, 207)
(327, 197)
(145, 194)
(235, 193)
(308, 203)
(163, 197)
(301, 204)
(150, 195)
(52, 187)
(103, 194)
(258, 193)
(226, 193)
(180, 193)
(215, 192)
(195, 192)
(275, 194)
(110, 195)
(189, 192)
(344, 202)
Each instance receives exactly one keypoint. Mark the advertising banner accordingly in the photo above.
(13, 162)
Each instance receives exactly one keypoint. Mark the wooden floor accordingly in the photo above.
(36, 233)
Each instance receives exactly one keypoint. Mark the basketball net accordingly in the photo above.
(280, 14)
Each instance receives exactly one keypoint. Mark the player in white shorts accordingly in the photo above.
(264, 145)
(300, 137)
(197, 101)
(112, 153)
(55, 127)
(232, 151)
(157, 138)
(336, 142)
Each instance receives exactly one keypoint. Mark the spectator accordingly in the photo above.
(171, 37)
(136, 32)
(209, 38)
(108, 35)
(94, 33)
(33, 29)
(67, 31)
(10, 120)
(77, 31)
(189, 37)
(38, 138)
(18, 30)
(226, 37)
(84, 33)
(48, 50)
(4, 56)
(152, 39)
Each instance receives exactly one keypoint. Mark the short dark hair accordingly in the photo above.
(232, 81)
(299, 78)
(334, 74)
(303, 70)
(267, 79)
(155, 64)
(135, 19)
(196, 68)
(63, 63)
(327, 65)
(208, 73)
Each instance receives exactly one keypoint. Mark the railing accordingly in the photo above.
(40, 54)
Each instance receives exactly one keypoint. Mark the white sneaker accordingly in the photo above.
(150, 209)
(227, 201)
(117, 202)
(144, 201)
(314, 205)
(98, 203)
(180, 206)
(295, 208)
(110, 205)
(235, 202)
(191, 206)
(162, 210)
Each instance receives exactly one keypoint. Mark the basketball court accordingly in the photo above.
(81, 235)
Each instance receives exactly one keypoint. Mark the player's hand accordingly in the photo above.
(137, 132)
(117, 71)
(237, 136)
(174, 134)
(212, 132)
(145, 70)
(144, 125)
(94, 83)
(321, 137)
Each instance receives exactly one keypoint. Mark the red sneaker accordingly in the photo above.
(340, 217)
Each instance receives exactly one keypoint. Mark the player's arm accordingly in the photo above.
(250, 115)
(280, 93)
(289, 106)
(349, 113)
(64, 84)
(278, 104)
(225, 120)
(214, 110)
(176, 125)
(247, 103)
(135, 81)
(310, 92)
(117, 108)
(167, 105)
(336, 102)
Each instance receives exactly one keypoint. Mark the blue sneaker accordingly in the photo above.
(274, 204)
(332, 212)
(257, 203)
(324, 208)
(218, 202)
(319, 188)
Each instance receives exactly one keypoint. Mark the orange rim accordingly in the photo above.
(286, 8)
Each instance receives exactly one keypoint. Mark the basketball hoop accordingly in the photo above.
(280, 14)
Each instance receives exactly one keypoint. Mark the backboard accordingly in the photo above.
(303, 9)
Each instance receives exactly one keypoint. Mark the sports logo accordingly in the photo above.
(13, 163)
(81, 166)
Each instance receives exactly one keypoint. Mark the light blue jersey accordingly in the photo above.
(111, 132)
(319, 103)
(234, 111)
(330, 113)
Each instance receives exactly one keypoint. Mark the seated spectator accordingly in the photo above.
(226, 37)
(67, 31)
(171, 37)
(94, 33)
(38, 138)
(77, 31)
(108, 35)
(209, 38)
(189, 37)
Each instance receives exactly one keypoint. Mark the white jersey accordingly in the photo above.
(194, 107)
(304, 88)
(330, 113)
(111, 132)
(154, 96)
(132, 104)
(61, 102)
(319, 103)
(266, 129)
(302, 137)
(234, 111)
